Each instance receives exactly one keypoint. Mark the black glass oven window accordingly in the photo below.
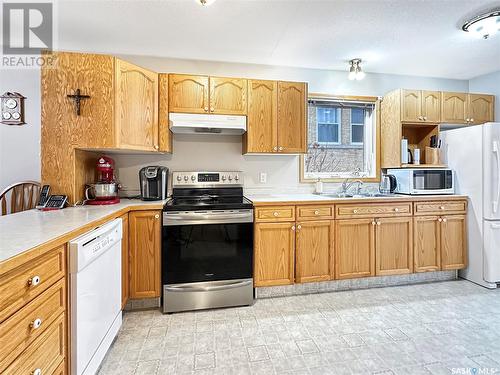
(208, 252)
(432, 180)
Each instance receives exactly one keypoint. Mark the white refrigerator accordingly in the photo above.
(474, 153)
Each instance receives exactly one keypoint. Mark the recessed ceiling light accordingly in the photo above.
(484, 25)
(205, 2)
(355, 71)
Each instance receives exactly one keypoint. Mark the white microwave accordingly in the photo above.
(420, 181)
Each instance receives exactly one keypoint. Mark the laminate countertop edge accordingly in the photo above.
(12, 258)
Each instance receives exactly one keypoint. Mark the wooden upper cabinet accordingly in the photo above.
(431, 106)
(228, 96)
(136, 106)
(394, 246)
(453, 242)
(262, 121)
(480, 108)
(274, 253)
(454, 108)
(144, 249)
(292, 105)
(354, 248)
(411, 109)
(188, 93)
(314, 251)
(426, 243)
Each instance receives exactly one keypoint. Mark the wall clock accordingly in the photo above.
(12, 108)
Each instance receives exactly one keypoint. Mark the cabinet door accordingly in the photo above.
(125, 259)
(262, 125)
(354, 248)
(481, 108)
(314, 251)
(431, 106)
(426, 243)
(411, 109)
(228, 96)
(164, 133)
(145, 249)
(188, 93)
(453, 242)
(454, 107)
(394, 246)
(274, 252)
(136, 100)
(292, 104)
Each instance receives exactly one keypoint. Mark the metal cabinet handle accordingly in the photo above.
(206, 109)
(420, 118)
(37, 371)
(425, 118)
(35, 324)
(440, 220)
(355, 211)
(441, 207)
(471, 120)
(379, 223)
(275, 148)
(374, 223)
(276, 213)
(157, 147)
(212, 109)
(445, 220)
(316, 212)
(34, 281)
(299, 226)
(157, 216)
(280, 148)
(396, 209)
(293, 227)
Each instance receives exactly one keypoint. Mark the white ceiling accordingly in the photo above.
(415, 37)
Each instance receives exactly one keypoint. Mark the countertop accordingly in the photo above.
(23, 231)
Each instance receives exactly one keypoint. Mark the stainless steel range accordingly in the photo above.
(207, 242)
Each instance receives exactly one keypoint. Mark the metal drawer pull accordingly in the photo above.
(355, 211)
(157, 216)
(316, 212)
(35, 280)
(441, 207)
(276, 213)
(186, 288)
(396, 209)
(35, 324)
(37, 371)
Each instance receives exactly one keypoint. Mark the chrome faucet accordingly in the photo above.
(346, 185)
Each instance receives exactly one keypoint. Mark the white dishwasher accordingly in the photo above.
(95, 284)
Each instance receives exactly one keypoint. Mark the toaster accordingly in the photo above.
(153, 181)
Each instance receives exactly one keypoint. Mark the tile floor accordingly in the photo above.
(438, 328)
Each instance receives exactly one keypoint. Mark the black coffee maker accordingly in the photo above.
(154, 182)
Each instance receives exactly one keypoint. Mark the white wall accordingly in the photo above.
(19, 152)
(488, 84)
(20, 145)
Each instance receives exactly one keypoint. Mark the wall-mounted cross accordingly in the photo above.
(77, 97)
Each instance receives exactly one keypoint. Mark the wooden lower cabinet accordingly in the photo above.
(354, 248)
(145, 252)
(426, 243)
(125, 259)
(274, 245)
(314, 251)
(393, 246)
(453, 241)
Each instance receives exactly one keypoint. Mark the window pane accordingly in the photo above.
(357, 116)
(328, 133)
(357, 133)
(327, 115)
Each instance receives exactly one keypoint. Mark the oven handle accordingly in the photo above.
(191, 288)
(200, 216)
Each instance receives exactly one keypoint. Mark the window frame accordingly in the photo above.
(339, 128)
(376, 100)
(350, 128)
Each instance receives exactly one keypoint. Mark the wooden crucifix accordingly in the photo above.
(77, 97)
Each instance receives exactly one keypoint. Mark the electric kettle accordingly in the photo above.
(388, 184)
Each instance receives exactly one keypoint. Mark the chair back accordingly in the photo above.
(19, 197)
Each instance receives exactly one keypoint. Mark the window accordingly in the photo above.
(341, 139)
(328, 125)
(357, 126)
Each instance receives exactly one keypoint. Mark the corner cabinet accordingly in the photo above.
(145, 252)
(276, 121)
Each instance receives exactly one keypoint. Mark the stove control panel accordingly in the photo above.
(200, 179)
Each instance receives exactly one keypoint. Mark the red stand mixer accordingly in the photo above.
(105, 190)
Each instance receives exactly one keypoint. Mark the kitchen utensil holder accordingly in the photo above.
(431, 155)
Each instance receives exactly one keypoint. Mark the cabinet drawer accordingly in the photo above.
(346, 211)
(440, 207)
(26, 282)
(19, 331)
(275, 214)
(45, 353)
(314, 212)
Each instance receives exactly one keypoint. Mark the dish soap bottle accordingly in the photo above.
(319, 186)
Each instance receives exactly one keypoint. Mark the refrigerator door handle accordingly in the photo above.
(495, 151)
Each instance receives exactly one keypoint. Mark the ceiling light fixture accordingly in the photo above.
(205, 2)
(484, 25)
(355, 71)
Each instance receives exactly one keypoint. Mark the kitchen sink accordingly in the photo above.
(362, 195)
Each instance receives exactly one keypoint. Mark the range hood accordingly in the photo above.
(185, 123)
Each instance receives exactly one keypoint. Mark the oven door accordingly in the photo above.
(205, 246)
(432, 181)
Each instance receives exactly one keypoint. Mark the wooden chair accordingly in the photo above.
(22, 196)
